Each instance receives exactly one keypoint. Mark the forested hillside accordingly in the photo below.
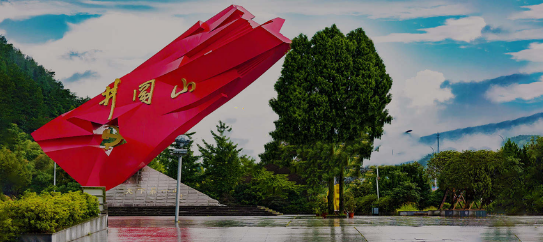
(29, 98)
(29, 94)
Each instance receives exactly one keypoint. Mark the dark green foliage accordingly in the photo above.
(273, 191)
(331, 102)
(508, 180)
(222, 165)
(517, 186)
(14, 173)
(332, 88)
(365, 203)
(30, 96)
(467, 174)
(24, 166)
(45, 213)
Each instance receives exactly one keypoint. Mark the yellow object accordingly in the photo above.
(336, 197)
(146, 91)
(108, 135)
(110, 93)
(185, 88)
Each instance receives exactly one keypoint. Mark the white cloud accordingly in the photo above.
(424, 89)
(534, 53)
(514, 35)
(26, 9)
(374, 10)
(534, 56)
(533, 12)
(111, 45)
(500, 94)
(463, 29)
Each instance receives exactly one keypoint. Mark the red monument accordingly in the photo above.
(107, 139)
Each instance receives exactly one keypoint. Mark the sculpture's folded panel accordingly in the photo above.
(110, 137)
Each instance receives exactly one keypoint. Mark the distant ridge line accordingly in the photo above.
(482, 129)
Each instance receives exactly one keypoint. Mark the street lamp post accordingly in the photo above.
(377, 181)
(181, 141)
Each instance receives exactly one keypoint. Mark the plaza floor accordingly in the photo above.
(311, 228)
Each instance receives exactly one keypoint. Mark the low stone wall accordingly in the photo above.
(446, 213)
(72, 233)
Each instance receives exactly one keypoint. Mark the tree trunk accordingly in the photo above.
(341, 185)
(331, 195)
(444, 198)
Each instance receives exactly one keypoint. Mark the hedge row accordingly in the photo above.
(45, 213)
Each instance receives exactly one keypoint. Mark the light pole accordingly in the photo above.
(377, 181)
(181, 141)
(55, 176)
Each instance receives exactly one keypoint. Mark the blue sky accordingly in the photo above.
(455, 64)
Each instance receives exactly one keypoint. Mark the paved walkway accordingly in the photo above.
(310, 228)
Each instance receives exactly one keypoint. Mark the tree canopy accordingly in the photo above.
(29, 94)
(331, 102)
(332, 88)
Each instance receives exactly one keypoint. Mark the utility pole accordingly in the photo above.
(435, 179)
(437, 142)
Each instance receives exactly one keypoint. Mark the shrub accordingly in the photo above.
(364, 204)
(386, 204)
(45, 213)
(320, 205)
(8, 232)
(431, 208)
(407, 207)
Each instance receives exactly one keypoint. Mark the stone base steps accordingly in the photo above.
(193, 211)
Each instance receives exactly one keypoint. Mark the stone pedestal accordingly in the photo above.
(150, 188)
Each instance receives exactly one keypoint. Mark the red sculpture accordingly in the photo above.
(107, 139)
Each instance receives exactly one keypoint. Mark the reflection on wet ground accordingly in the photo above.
(311, 228)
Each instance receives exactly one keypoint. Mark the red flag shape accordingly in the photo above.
(110, 137)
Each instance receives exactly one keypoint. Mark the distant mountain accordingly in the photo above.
(483, 129)
(29, 94)
(522, 140)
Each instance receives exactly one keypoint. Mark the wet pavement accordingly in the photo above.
(311, 228)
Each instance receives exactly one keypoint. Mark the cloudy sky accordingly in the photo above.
(455, 64)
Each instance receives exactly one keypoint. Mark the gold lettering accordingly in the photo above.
(146, 95)
(110, 93)
(185, 88)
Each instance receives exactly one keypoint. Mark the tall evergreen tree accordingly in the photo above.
(333, 89)
(222, 165)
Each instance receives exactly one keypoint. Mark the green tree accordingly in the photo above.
(466, 174)
(222, 165)
(30, 94)
(333, 89)
(15, 174)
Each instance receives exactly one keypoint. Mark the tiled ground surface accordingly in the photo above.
(309, 228)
